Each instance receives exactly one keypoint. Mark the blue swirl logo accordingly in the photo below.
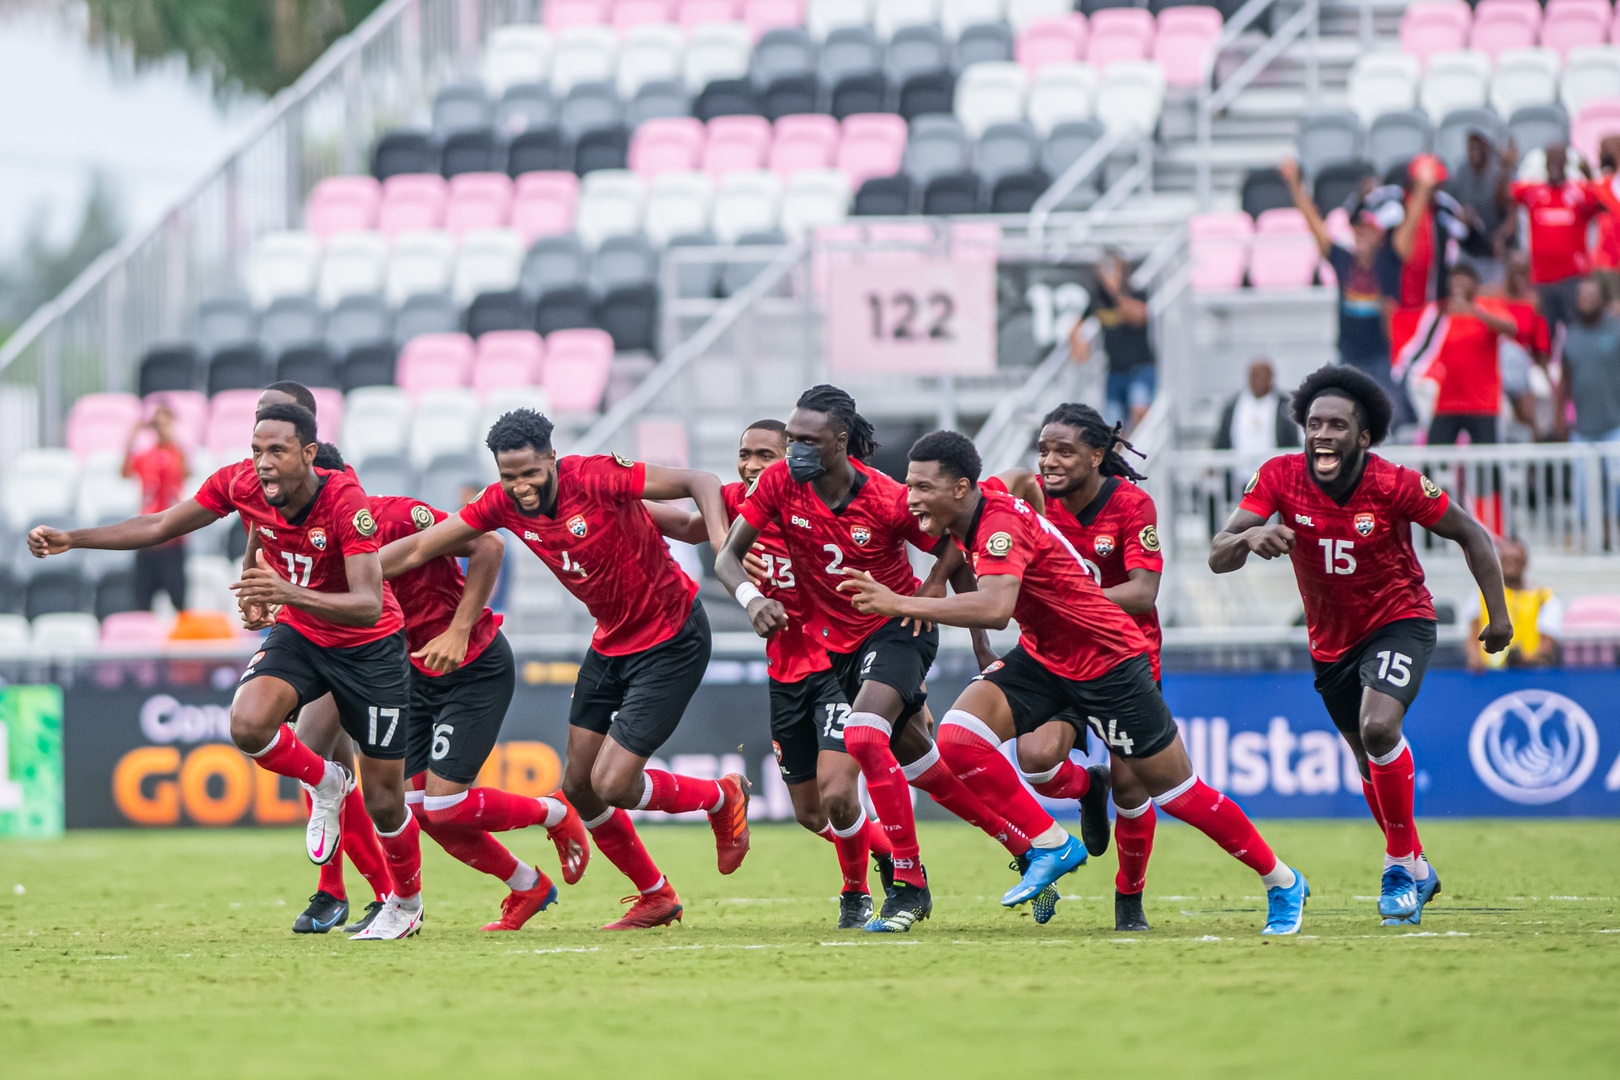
(1533, 746)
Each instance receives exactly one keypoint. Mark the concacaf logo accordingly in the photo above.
(1254, 482)
(861, 535)
(318, 538)
(576, 525)
(421, 517)
(999, 544)
(1430, 488)
(622, 460)
(364, 523)
(1149, 536)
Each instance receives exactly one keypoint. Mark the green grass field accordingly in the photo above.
(169, 955)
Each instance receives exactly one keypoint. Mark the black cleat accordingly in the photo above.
(1128, 912)
(366, 920)
(854, 909)
(1094, 828)
(324, 912)
(885, 869)
(904, 907)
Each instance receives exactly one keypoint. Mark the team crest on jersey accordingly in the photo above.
(364, 523)
(1149, 538)
(1104, 545)
(576, 525)
(421, 517)
(999, 544)
(1430, 488)
(1364, 524)
(860, 534)
(1254, 482)
(318, 538)
(622, 460)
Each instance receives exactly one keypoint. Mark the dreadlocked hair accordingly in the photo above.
(840, 409)
(1373, 409)
(1095, 433)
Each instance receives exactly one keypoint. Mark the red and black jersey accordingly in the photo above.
(310, 551)
(868, 532)
(430, 594)
(1354, 563)
(604, 547)
(1064, 620)
(790, 654)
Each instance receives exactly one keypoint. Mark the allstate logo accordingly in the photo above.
(1533, 746)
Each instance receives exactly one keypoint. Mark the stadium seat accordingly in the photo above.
(1569, 26)
(678, 204)
(928, 93)
(1501, 25)
(735, 142)
(588, 107)
(955, 16)
(1264, 189)
(825, 17)
(952, 193)
(426, 313)
(1060, 40)
(62, 630)
(481, 200)
(553, 262)
(1066, 144)
(746, 202)
(584, 54)
(328, 412)
(435, 362)
(631, 15)
(539, 150)
(1218, 245)
(412, 201)
(629, 314)
(420, 263)
(987, 42)
(915, 50)
(1454, 80)
(134, 630)
(694, 14)
(804, 141)
(386, 474)
(648, 53)
(1119, 34)
(492, 312)
(812, 199)
(937, 146)
(1283, 253)
(1382, 82)
(224, 320)
(790, 95)
(623, 260)
(1451, 137)
(1524, 77)
(237, 367)
(780, 54)
(716, 51)
(727, 97)
(372, 364)
(1596, 120)
(311, 364)
(848, 51)
(40, 484)
(1536, 127)
(283, 264)
(763, 16)
(602, 148)
(1590, 72)
(488, 261)
(566, 308)
(473, 150)
(169, 367)
(891, 16)
(1004, 149)
(461, 107)
(101, 422)
(16, 637)
(886, 196)
(525, 106)
(516, 54)
(854, 95)
(355, 264)
(1060, 93)
(1398, 137)
(562, 15)
(401, 152)
(449, 427)
(871, 145)
(342, 204)
(1022, 14)
(663, 97)
(1337, 182)
(1325, 138)
(1184, 39)
(694, 280)
(990, 94)
(611, 202)
(507, 358)
(1016, 193)
(230, 422)
(543, 204)
(669, 144)
(576, 368)
(190, 409)
(357, 320)
(1130, 97)
(1434, 26)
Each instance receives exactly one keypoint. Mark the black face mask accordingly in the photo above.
(804, 463)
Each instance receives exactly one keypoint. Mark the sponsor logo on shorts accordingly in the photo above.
(268, 534)
(799, 521)
(421, 516)
(253, 663)
(364, 523)
(1430, 488)
(622, 460)
(576, 525)
(999, 544)
(318, 538)
(1104, 545)
(1305, 520)
(1533, 747)
(1364, 524)
(860, 534)
(1149, 538)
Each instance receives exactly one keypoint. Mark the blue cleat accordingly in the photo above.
(1285, 908)
(1046, 865)
(1427, 890)
(1397, 895)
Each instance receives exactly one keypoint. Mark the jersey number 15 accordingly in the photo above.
(1336, 556)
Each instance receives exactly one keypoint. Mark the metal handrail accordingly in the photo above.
(1096, 155)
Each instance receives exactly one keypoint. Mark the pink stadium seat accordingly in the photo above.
(662, 442)
(873, 144)
(1119, 34)
(697, 12)
(1051, 41)
(1595, 120)
(435, 362)
(543, 204)
(1592, 614)
(1504, 24)
(576, 369)
(1185, 35)
(561, 14)
(478, 201)
(628, 13)
(1600, 8)
(1219, 246)
(736, 143)
(1284, 254)
(328, 412)
(807, 141)
(342, 204)
(134, 630)
(1568, 26)
(667, 144)
(763, 15)
(190, 410)
(412, 201)
(101, 422)
(508, 358)
(1435, 26)
(230, 421)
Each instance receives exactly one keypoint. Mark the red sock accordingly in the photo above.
(944, 788)
(1393, 783)
(490, 810)
(1133, 840)
(1071, 782)
(1224, 822)
(876, 841)
(404, 851)
(852, 854)
(616, 838)
(970, 756)
(286, 756)
(332, 876)
(1371, 793)
(674, 794)
(474, 847)
(360, 843)
(886, 785)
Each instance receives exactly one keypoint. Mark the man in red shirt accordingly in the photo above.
(584, 518)
(162, 469)
(1077, 655)
(1346, 518)
(1559, 210)
(340, 631)
(1457, 347)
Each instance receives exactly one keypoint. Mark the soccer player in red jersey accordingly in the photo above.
(1345, 517)
(1076, 651)
(340, 632)
(584, 518)
(834, 514)
(808, 705)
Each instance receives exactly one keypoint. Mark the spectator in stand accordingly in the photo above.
(1560, 210)
(1590, 371)
(1478, 188)
(1422, 228)
(1606, 189)
(1531, 347)
(162, 469)
(1258, 420)
(1456, 347)
(1538, 617)
(1122, 312)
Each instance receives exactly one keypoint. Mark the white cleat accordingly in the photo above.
(323, 836)
(394, 921)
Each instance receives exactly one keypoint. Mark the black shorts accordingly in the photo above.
(639, 698)
(1122, 705)
(807, 717)
(1391, 660)
(455, 718)
(370, 684)
(1078, 722)
(890, 655)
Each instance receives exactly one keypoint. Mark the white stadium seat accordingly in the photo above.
(65, 632)
(749, 201)
(283, 264)
(1023, 13)
(891, 15)
(824, 16)
(1061, 93)
(652, 52)
(1383, 82)
(679, 204)
(355, 264)
(717, 51)
(1454, 80)
(446, 424)
(1523, 77)
(1590, 72)
(584, 54)
(519, 53)
(814, 198)
(420, 263)
(15, 636)
(376, 421)
(1131, 96)
(993, 92)
(489, 260)
(957, 15)
(611, 202)
(39, 484)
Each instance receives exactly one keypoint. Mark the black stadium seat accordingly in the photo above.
(1015, 193)
(367, 365)
(1337, 182)
(499, 311)
(238, 367)
(602, 148)
(470, 150)
(630, 314)
(866, 92)
(539, 150)
(568, 308)
(953, 193)
(309, 364)
(886, 196)
(115, 591)
(54, 590)
(403, 152)
(169, 367)
(790, 95)
(930, 92)
(1265, 189)
(726, 97)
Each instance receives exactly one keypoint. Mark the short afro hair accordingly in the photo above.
(953, 450)
(302, 420)
(297, 391)
(1373, 410)
(517, 429)
(328, 456)
(768, 425)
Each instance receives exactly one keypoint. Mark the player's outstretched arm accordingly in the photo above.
(1137, 594)
(449, 537)
(767, 615)
(361, 605)
(686, 526)
(446, 652)
(147, 530)
(988, 607)
(701, 487)
(1480, 552)
(1247, 531)
(1025, 484)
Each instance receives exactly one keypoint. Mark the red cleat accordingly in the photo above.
(650, 909)
(519, 907)
(730, 822)
(573, 842)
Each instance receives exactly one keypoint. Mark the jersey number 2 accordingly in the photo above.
(1336, 556)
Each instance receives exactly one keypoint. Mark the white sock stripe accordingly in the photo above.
(1389, 758)
(555, 811)
(972, 723)
(1132, 811)
(646, 792)
(659, 884)
(1168, 797)
(844, 834)
(269, 746)
(442, 802)
(402, 828)
(868, 719)
(414, 798)
(600, 820)
(1040, 777)
(921, 765)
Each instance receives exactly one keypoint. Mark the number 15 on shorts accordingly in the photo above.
(380, 717)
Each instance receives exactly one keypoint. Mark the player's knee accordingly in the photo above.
(843, 808)
(577, 787)
(385, 807)
(1380, 735)
(813, 818)
(251, 730)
